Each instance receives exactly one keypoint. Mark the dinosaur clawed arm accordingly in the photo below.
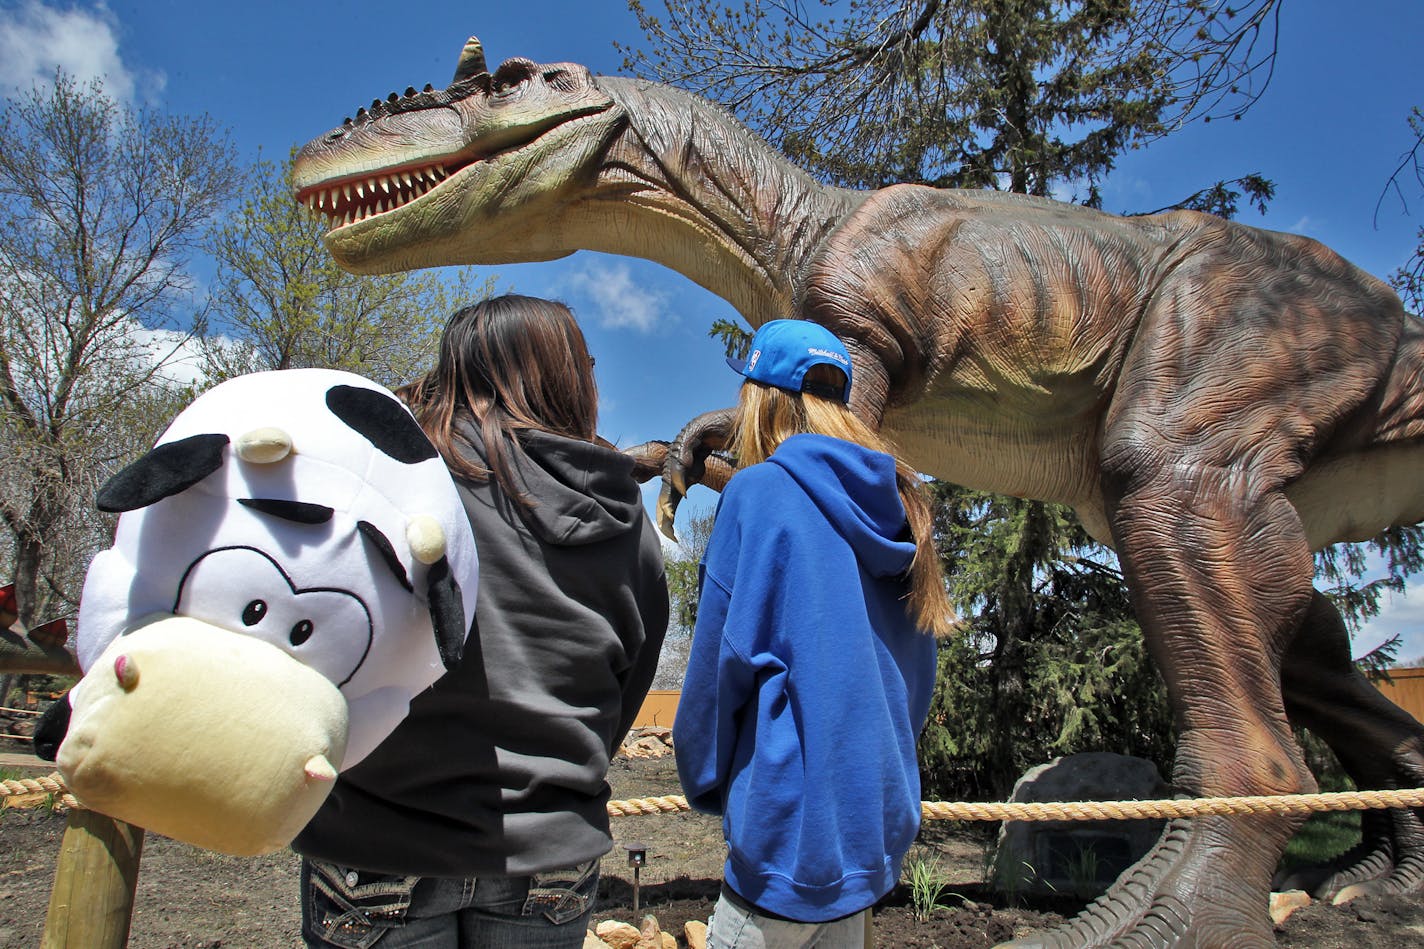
(697, 455)
(648, 459)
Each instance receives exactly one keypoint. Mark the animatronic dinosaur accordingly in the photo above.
(1214, 401)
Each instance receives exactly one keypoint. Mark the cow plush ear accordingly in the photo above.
(447, 613)
(166, 470)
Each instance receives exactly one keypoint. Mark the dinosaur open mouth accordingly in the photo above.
(356, 199)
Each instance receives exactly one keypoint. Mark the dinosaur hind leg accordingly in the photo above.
(1378, 744)
(1196, 554)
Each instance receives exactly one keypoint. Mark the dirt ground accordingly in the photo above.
(198, 900)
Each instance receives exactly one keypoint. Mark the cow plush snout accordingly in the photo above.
(204, 735)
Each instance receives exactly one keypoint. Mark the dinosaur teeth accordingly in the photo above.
(375, 195)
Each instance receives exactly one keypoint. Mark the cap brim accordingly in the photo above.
(739, 366)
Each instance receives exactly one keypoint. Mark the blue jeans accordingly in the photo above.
(735, 924)
(350, 909)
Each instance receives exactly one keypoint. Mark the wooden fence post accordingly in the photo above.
(91, 905)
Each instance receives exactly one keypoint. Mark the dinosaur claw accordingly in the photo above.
(1351, 892)
(667, 511)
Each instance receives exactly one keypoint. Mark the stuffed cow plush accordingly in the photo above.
(291, 566)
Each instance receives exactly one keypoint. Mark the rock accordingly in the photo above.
(1283, 904)
(651, 935)
(650, 741)
(645, 748)
(695, 932)
(1081, 858)
(618, 935)
(590, 941)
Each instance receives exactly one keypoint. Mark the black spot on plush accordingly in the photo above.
(163, 472)
(383, 421)
(388, 553)
(301, 512)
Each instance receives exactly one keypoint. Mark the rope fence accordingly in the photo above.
(35, 791)
(32, 792)
(1107, 810)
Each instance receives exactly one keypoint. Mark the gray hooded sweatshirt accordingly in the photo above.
(500, 767)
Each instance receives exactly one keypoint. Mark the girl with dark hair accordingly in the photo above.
(813, 657)
(481, 820)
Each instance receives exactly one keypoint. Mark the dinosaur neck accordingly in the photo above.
(690, 187)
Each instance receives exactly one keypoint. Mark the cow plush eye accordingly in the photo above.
(253, 612)
(301, 632)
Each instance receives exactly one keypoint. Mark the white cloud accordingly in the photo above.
(35, 39)
(175, 354)
(618, 302)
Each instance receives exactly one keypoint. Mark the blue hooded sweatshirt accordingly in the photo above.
(808, 681)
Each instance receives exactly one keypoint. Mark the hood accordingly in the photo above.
(855, 488)
(583, 493)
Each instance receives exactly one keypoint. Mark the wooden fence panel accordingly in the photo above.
(658, 708)
(1406, 690)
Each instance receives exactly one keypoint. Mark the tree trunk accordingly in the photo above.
(28, 565)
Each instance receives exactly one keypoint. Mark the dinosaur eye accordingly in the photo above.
(253, 612)
(301, 632)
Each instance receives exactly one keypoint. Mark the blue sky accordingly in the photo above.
(1329, 131)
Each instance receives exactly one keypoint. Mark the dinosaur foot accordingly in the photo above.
(1203, 886)
(1389, 861)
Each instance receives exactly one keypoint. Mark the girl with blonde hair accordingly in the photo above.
(813, 657)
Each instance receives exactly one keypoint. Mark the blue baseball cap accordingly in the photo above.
(782, 351)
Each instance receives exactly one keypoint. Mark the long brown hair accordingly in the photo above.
(766, 416)
(510, 363)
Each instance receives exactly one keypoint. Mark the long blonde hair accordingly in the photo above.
(766, 416)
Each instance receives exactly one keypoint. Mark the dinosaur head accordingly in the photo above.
(407, 182)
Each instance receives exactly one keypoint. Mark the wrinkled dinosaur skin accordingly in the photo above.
(1215, 401)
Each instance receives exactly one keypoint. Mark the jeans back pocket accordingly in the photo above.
(350, 909)
(562, 896)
